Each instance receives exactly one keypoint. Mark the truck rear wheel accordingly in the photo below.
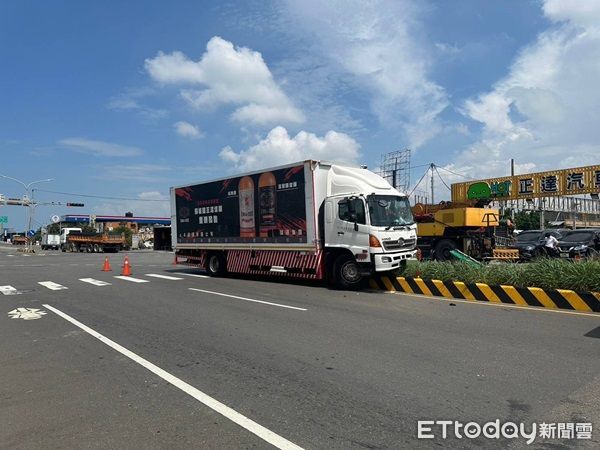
(215, 265)
(443, 249)
(347, 273)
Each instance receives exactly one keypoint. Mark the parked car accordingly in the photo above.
(581, 243)
(531, 242)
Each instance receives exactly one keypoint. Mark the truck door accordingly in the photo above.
(348, 227)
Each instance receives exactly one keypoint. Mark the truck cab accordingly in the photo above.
(368, 226)
(63, 236)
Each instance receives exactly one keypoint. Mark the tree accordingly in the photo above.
(128, 233)
(527, 220)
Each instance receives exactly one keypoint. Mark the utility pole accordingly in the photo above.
(512, 203)
(30, 202)
(432, 167)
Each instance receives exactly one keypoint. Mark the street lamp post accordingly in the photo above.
(30, 200)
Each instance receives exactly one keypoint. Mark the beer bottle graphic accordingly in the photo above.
(267, 195)
(246, 198)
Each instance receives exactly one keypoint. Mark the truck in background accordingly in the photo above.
(50, 241)
(473, 230)
(75, 240)
(311, 219)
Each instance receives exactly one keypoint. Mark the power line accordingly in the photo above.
(101, 196)
(419, 182)
(455, 173)
(440, 177)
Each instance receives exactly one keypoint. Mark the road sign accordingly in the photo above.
(3, 219)
(31, 233)
(55, 219)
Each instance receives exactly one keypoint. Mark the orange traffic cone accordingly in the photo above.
(126, 268)
(106, 267)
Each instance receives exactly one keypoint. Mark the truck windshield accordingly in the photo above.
(389, 211)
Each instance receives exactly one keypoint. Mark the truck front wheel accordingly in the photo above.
(347, 272)
(215, 265)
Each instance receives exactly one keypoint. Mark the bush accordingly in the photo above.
(128, 234)
(545, 273)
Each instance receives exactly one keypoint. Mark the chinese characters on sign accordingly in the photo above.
(549, 183)
(577, 181)
(526, 186)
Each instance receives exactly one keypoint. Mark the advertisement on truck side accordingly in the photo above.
(266, 207)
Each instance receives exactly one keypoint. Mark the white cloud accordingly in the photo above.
(227, 75)
(153, 195)
(187, 130)
(279, 148)
(99, 148)
(544, 113)
(378, 47)
(582, 12)
(130, 101)
(135, 173)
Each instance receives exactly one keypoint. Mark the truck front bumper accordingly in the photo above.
(390, 261)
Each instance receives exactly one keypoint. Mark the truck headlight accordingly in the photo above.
(386, 259)
(374, 242)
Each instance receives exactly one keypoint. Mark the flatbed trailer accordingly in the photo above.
(94, 243)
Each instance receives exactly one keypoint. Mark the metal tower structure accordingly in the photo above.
(395, 168)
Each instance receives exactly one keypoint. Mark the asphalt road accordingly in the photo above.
(314, 367)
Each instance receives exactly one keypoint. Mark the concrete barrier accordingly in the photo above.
(511, 295)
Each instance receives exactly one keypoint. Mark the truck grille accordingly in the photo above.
(400, 244)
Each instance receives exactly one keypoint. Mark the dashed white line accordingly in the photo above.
(9, 290)
(192, 275)
(95, 282)
(241, 420)
(52, 285)
(164, 277)
(248, 299)
(133, 280)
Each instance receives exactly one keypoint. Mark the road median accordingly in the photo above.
(561, 299)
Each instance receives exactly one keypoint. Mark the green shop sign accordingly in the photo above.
(483, 190)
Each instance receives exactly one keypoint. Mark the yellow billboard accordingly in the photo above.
(576, 181)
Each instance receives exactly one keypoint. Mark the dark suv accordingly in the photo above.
(581, 243)
(531, 242)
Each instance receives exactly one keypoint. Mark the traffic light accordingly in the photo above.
(76, 205)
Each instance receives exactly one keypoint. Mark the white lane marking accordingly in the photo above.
(9, 290)
(192, 275)
(52, 285)
(249, 299)
(165, 277)
(243, 421)
(133, 280)
(95, 282)
(27, 313)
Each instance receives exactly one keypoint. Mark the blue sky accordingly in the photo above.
(124, 99)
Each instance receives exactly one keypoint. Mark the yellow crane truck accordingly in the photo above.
(446, 226)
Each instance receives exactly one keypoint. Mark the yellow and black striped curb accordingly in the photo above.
(531, 296)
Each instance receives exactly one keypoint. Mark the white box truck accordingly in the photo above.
(50, 241)
(311, 219)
